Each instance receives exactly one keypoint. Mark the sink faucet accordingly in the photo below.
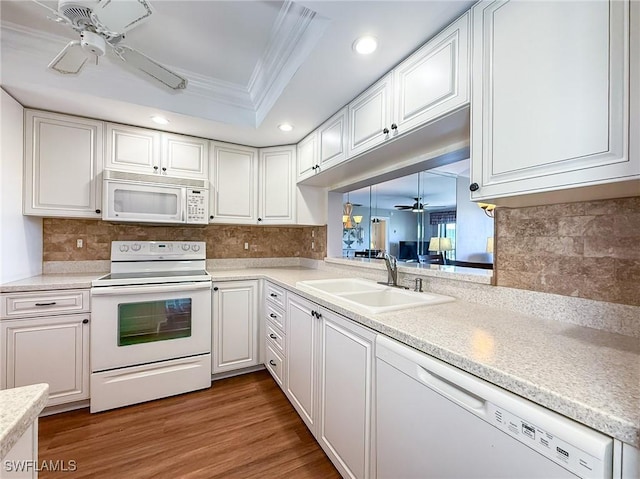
(392, 269)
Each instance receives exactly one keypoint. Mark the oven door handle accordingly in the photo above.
(155, 288)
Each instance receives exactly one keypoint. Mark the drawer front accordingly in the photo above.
(275, 315)
(44, 303)
(274, 363)
(275, 294)
(275, 338)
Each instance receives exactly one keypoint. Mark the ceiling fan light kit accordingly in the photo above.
(102, 25)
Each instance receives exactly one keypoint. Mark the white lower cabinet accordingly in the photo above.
(53, 350)
(302, 365)
(24, 453)
(328, 375)
(346, 365)
(235, 326)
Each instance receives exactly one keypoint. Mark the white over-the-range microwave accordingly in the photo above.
(139, 198)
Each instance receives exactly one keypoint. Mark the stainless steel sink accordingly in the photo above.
(371, 296)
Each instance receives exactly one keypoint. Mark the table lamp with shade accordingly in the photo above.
(439, 244)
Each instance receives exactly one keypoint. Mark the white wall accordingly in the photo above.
(473, 227)
(20, 236)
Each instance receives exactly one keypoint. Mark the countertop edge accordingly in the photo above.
(20, 408)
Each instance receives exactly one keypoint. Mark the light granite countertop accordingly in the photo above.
(19, 408)
(51, 281)
(589, 375)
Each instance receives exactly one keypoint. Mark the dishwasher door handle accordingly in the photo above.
(451, 391)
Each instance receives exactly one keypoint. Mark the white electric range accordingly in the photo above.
(151, 323)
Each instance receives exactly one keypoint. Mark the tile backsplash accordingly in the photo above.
(587, 250)
(223, 241)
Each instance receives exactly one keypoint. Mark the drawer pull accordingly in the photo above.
(272, 362)
(85, 321)
(272, 315)
(273, 295)
(273, 336)
(46, 304)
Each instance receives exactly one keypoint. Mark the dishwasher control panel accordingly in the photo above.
(549, 445)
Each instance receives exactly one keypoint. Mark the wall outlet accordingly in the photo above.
(79, 243)
(313, 245)
(313, 233)
(246, 246)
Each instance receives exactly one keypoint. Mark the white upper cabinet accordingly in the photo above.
(185, 156)
(435, 79)
(370, 116)
(234, 184)
(332, 137)
(551, 96)
(63, 162)
(133, 149)
(277, 194)
(140, 150)
(307, 160)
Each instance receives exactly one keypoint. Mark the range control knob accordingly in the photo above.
(185, 246)
(136, 246)
(124, 248)
(195, 247)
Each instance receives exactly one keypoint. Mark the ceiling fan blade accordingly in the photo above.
(118, 16)
(152, 68)
(70, 60)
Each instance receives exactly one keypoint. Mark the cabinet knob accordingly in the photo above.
(164, 168)
(272, 362)
(314, 167)
(317, 167)
(259, 220)
(273, 295)
(215, 288)
(155, 168)
(85, 321)
(474, 186)
(211, 217)
(273, 336)
(394, 126)
(273, 316)
(98, 211)
(385, 131)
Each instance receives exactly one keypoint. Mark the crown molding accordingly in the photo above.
(295, 33)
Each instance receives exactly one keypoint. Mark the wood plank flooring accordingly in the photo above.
(242, 427)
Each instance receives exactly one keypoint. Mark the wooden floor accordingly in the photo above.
(242, 427)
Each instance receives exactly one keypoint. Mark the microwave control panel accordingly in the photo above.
(197, 205)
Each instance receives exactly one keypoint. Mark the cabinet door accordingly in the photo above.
(301, 363)
(277, 185)
(333, 140)
(52, 350)
(235, 326)
(234, 183)
(346, 366)
(307, 157)
(435, 79)
(550, 97)
(370, 117)
(185, 156)
(63, 162)
(133, 149)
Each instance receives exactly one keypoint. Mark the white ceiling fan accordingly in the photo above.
(102, 25)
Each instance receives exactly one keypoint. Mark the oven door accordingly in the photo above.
(134, 325)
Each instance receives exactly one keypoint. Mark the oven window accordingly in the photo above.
(154, 321)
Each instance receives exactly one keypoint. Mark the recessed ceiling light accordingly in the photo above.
(160, 120)
(285, 127)
(365, 45)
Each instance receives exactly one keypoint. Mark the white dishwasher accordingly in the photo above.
(436, 421)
